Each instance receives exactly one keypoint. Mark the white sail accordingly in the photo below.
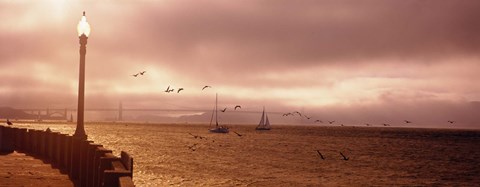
(262, 119)
(267, 123)
(264, 123)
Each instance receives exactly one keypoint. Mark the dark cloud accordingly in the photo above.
(284, 33)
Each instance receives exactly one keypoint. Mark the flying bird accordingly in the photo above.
(9, 122)
(406, 121)
(206, 87)
(135, 75)
(300, 114)
(320, 154)
(306, 116)
(238, 106)
(287, 114)
(195, 136)
(180, 89)
(143, 72)
(451, 122)
(331, 122)
(344, 157)
(224, 109)
(318, 121)
(386, 124)
(238, 134)
(168, 89)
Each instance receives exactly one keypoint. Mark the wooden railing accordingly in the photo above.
(86, 163)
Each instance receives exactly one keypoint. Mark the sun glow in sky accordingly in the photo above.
(319, 55)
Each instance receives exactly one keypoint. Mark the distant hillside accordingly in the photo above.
(11, 113)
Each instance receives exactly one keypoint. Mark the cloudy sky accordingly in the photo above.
(364, 60)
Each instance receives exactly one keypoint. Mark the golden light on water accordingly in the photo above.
(83, 27)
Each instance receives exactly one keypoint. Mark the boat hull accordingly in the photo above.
(262, 129)
(219, 130)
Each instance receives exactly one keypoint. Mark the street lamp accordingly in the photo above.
(83, 29)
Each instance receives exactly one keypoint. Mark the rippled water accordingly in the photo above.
(285, 156)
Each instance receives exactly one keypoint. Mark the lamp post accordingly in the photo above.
(83, 29)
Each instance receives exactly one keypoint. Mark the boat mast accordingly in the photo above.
(211, 118)
(262, 122)
(263, 116)
(216, 109)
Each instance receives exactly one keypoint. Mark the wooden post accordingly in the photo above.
(127, 161)
(99, 153)
(1, 138)
(23, 142)
(16, 138)
(68, 154)
(4, 140)
(105, 164)
(112, 176)
(48, 145)
(26, 140)
(29, 141)
(56, 146)
(8, 140)
(75, 161)
(58, 150)
(125, 181)
(83, 162)
(35, 142)
(91, 167)
(61, 151)
(53, 147)
(42, 144)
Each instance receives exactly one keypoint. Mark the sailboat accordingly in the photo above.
(264, 123)
(218, 128)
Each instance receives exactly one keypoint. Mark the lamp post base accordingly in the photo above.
(80, 136)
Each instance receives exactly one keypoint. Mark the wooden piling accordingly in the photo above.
(91, 167)
(83, 162)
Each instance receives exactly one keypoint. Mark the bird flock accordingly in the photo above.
(169, 89)
(195, 146)
(204, 140)
(139, 73)
(332, 122)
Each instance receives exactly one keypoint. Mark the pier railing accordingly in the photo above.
(87, 164)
